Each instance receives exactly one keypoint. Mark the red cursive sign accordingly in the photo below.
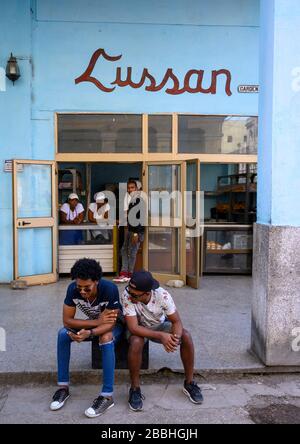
(152, 84)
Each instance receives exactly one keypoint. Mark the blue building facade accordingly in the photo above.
(54, 42)
(180, 47)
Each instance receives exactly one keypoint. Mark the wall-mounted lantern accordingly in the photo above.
(12, 69)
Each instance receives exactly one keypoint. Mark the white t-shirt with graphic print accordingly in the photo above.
(71, 215)
(161, 304)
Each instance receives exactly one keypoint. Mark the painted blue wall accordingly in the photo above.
(62, 51)
(59, 37)
(279, 139)
(15, 119)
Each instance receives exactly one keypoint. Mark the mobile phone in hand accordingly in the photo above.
(73, 330)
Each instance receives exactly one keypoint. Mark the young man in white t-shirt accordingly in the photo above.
(150, 313)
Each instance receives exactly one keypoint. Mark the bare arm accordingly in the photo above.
(79, 219)
(63, 219)
(169, 341)
(91, 217)
(176, 324)
(103, 324)
(69, 320)
(108, 322)
(138, 330)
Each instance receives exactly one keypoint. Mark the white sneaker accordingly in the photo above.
(100, 405)
(59, 398)
(121, 280)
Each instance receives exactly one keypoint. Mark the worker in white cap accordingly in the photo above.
(72, 212)
(98, 212)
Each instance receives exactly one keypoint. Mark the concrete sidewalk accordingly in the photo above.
(217, 315)
(264, 399)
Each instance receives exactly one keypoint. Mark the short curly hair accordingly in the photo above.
(86, 269)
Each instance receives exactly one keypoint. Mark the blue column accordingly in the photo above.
(279, 111)
(276, 267)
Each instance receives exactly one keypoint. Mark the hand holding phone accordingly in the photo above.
(72, 330)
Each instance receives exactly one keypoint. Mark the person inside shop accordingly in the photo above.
(71, 213)
(98, 300)
(150, 313)
(133, 233)
(98, 214)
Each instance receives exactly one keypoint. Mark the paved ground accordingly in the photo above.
(256, 399)
(218, 316)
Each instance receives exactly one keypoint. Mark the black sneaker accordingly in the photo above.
(136, 399)
(100, 405)
(193, 392)
(59, 398)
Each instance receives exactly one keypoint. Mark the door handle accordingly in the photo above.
(25, 223)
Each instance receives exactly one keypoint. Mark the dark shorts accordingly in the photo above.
(165, 326)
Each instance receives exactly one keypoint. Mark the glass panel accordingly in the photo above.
(232, 263)
(191, 243)
(191, 185)
(230, 192)
(217, 134)
(229, 240)
(164, 179)
(160, 134)
(34, 191)
(191, 255)
(225, 251)
(99, 133)
(38, 241)
(164, 250)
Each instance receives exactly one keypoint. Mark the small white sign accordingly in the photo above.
(248, 88)
(8, 166)
(2, 79)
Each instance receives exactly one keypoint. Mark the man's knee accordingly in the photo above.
(136, 343)
(106, 337)
(186, 336)
(63, 334)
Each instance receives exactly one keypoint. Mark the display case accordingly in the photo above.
(236, 197)
(228, 249)
(87, 240)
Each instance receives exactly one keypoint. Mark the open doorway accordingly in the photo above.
(86, 180)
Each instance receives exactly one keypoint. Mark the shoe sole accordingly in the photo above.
(191, 399)
(98, 414)
(135, 410)
(58, 408)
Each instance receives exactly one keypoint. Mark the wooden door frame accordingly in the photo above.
(164, 277)
(40, 222)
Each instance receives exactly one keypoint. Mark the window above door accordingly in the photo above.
(162, 135)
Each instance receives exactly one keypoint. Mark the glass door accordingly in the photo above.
(34, 209)
(165, 237)
(193, 224)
